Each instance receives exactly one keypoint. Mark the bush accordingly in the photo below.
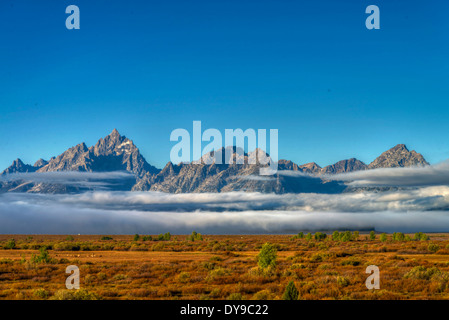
(195, 236)
(342, 281)
(421, 236)
(235, 296)
(75, 295)
(433, 247)
(263, 295)
(423, 273)
(320, 236)
(298, 236)
(372, 235)
(290, 293)
(346, 236)
(356, 235)
(136, 237)
(43, 257)
(267, 256)
(398, 236)
(336, 236)
(11, 244)
(41, 293)
(108, 238)
(184, 277)
(383, 237)
(309, 236)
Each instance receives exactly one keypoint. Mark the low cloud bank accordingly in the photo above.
(422, 209)
(435, 175)
(97, 180)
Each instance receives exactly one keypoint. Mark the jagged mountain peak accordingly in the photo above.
(398, 156)
(342, 166)
(40, 163)
(311, 167)
(18, 166)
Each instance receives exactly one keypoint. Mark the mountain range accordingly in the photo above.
(118, 153)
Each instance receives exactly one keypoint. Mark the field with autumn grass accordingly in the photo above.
(234, 267)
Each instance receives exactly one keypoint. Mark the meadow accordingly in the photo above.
(233, 267)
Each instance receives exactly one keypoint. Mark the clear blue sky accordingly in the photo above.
(308, 68)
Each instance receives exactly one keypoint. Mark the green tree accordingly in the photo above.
(372, 235)
(346, 236)
(136, 237)
(320, 236)
(400, 236)
(11, 244)
(167, 236)
(356, 235)
(383, 237)
(267, 256)
(309, 236)
(43, 256)
(290, 293)
(336, 236)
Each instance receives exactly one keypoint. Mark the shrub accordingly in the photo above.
(184, 277)
(69, 238)
(75, 295)
(11, 244)
(267, 256)
(356, 235)
(43, 257)
(263, 295)
(346, 236)
(320, 236)
(423, 273)
(136, 237)
(41, 293)
(235, 296)
(398, 236)
(433, 247)
(351, 261)
(383, 237)
(109, 238)
(342, 281)
(309, 236)
(372, 235)
(195, 236)
(290, 293)
(298, 236)
(336, 236)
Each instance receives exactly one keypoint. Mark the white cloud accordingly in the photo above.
(422, 209)
(435, 175)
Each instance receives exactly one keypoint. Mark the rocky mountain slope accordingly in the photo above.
(398, 156)
(118, 153)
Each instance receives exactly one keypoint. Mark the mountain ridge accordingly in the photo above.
(118, 153)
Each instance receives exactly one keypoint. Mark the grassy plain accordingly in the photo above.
(221, 267)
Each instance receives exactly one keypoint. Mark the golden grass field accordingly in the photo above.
(221, 267)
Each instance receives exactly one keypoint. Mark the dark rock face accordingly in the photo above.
(398, 156)
(113, 153)
(311, 168)
(40, 163)
(344, 166)
(18, 167)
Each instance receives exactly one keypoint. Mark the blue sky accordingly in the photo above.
(310, 69)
